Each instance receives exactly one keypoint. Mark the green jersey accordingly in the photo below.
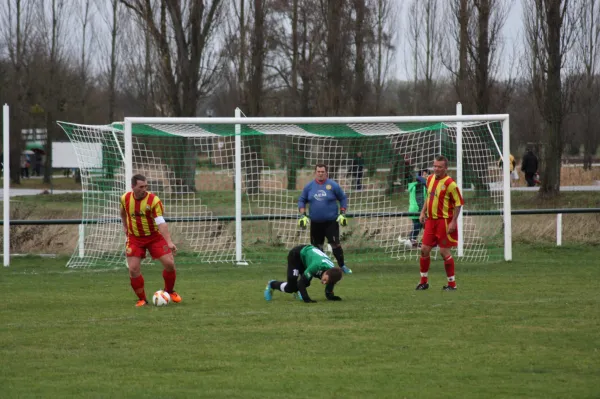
(417, 192)
(315, 262)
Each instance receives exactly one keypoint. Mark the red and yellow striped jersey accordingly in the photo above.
(141, 213)
(443, 196)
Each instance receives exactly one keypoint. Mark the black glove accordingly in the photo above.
(330, 296)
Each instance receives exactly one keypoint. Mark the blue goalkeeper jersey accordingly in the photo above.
(323, 200)
(315, 261)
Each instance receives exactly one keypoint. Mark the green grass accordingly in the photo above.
(524, 329)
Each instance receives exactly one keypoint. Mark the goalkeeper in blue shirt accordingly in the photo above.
(304, 263)
(322, 196)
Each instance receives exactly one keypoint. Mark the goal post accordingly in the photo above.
(231, 185)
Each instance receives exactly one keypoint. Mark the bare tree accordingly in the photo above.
(414, 36)
(360, 43)
(84, 61)
(112, 17)
(335, 53)
(294, 14)
(477, 26)
(141, 85)
(481, 54)
(236, 46)
(183, 35)
(258, 55)
(298, 36)
(384, 35)
(463, 16)
(185, 43)
(424, 42)
(114, 32)
(258, 52)
(247, 34)
(17, 30)
(588, 48)
(51, 37)
(550, 33)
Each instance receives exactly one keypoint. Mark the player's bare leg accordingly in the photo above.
(137, 280)
(449, 267)
(424, 263)
(169, 276)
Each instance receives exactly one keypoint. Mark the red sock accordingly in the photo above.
(424, 266)
(449, 266)
(169, 278)
(137, 283)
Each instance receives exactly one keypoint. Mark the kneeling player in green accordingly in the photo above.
(304, 263)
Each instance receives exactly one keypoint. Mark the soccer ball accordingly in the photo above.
(161, 298)
(405, 243)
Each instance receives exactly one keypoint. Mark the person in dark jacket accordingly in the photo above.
(529, 166)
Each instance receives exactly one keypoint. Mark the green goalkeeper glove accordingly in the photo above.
(303, 221)
(341, 219)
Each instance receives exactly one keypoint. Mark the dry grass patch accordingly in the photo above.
(576, 228)
(570, 176)
(38, 239)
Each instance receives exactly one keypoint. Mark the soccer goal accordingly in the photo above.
(230, 185)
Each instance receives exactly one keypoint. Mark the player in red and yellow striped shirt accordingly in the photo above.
(440, 213)
(146, 229)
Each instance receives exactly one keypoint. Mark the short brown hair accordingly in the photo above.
(136, 178)
(321, 165)
(335, 275)
(441, 158)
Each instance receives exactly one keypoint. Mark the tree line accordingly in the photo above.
(97, 61)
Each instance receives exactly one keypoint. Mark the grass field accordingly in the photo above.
(524, 329)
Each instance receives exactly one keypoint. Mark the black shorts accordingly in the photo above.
(295, 267)
(320, 230)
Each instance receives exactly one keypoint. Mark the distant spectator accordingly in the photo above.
(513, 175)
(529, 166)
(25, 163)
(37, 164)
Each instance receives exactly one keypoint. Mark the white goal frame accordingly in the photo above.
(238, 120)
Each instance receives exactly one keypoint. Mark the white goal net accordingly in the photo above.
(192, 165)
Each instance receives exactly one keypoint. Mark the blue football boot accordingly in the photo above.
(269, 291)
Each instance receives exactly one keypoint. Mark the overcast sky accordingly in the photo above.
(512, 36)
